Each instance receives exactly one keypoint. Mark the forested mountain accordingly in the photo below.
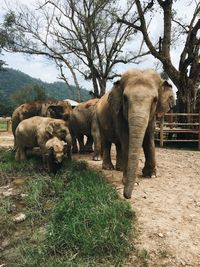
(12, 80)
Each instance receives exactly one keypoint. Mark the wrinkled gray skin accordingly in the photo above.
(82, 123)
(126, 117)
(37, 131)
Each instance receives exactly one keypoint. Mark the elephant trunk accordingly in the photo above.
(137, 127)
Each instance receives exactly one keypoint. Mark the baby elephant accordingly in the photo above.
(55, 150)
(40, 131)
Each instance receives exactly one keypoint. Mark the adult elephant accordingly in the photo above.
(126, 117)
(82, 123)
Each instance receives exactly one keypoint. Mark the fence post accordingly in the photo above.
(161, 131)
(9, 123)
(199, 133)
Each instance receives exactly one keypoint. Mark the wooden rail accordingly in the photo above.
(177, 123)
(8, 123)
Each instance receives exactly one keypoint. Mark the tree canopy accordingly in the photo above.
(182, 31)
(92, 37)
(82, 36)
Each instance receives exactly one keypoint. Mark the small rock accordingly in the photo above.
(161, 235)
(182, 263)
(198, 204)
(24, 195)
(7, 193)
(20, 217)
(18, 182)
(5, 243)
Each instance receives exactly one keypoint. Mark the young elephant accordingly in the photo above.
(82, 123)
(126, 117)
(57, 109)
(55, 150)
(36, 131)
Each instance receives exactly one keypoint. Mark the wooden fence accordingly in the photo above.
(178, 127)
(7, 122)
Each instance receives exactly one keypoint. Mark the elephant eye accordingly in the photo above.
(155, 100)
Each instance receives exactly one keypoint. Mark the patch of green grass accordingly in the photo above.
(92, 218)
(143, 256)
(83, 221)
(3, 126)
(5, 216)
(9, 165)
(164, 253)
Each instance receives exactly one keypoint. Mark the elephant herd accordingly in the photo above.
(125, 117)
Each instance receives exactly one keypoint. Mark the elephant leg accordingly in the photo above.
(20, 154)
(149, 169)
(74, 145)
(80, 138)
(107, 163)
(88, 146)
(119, 166)
(97, 140)
(124, 144)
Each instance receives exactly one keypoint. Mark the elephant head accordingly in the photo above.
(135, 99)
(59, 129)
(55, 111)
(57, 148)
(55, 152)
(59, 110)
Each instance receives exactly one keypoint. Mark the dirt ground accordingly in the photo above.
(167, 207)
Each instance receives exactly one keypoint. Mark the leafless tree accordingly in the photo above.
(80, 35)
(186, 76)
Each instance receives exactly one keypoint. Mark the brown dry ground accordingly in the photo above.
(167, 207)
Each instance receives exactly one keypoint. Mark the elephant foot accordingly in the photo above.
(149, 173)
(74, 150)
(118, 167)
(82, 151)
(88, 150)
(96, 157)
(107, 166)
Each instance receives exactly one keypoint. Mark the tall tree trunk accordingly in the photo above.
(95, 87)
(102, 85)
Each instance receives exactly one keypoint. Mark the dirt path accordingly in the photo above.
(167, 208)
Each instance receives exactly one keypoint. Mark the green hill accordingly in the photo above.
(12, 80)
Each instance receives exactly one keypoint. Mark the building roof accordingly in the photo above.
(72, 102)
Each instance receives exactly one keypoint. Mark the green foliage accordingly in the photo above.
(27, 94)
(6, 106)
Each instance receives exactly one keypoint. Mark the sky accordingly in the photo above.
(40, 67)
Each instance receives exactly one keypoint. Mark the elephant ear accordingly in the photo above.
(166, 99)
(55, 111)
(115, 97)
(50, 128)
